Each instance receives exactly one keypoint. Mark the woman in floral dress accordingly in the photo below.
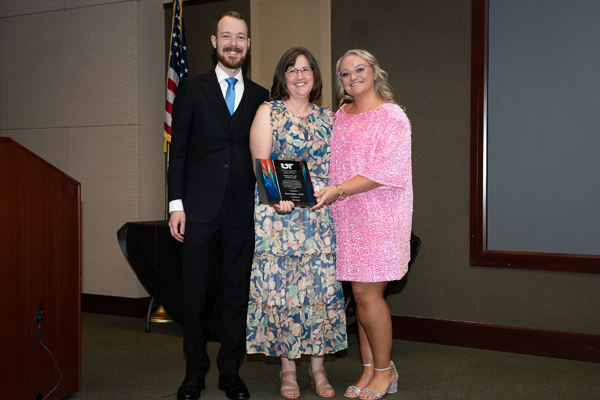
(371, 187)
(296, 306)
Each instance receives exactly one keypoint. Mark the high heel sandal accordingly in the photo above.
(393, 387)
(288, 386)
(355, 389)
(321, 387)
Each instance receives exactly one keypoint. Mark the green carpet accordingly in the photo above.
(120, 361)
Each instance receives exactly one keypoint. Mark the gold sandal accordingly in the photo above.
(288, 386)
(321, 387)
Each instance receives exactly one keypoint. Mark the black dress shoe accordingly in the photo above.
(234, 387)
(190, 388)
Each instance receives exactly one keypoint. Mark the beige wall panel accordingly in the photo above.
(12, 7)
(32, 71)
(153, 76)
(278, 25)
(87, 3)
(433, 289)
(540, 299)
(102, 61)
(50, 144)
(441, 284)
(106, 162)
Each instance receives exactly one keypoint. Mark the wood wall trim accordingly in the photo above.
(112, 305)
(536, 342)
(479, 253)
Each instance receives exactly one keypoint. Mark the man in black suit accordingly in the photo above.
(211, 201)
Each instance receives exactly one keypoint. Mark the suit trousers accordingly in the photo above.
(224, 246)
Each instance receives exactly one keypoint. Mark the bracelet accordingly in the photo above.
(341, 194)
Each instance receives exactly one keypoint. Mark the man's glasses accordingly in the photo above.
(359, 70)
(292, 72)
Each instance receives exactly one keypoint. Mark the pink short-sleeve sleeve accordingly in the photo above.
(391, 161)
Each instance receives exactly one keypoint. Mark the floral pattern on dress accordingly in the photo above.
(296, 306)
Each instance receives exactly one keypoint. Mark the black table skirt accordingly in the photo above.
(155, 257)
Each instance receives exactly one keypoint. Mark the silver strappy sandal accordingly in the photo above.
(393, 387)
(354, 388)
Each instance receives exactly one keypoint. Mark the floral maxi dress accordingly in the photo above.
(296, 306)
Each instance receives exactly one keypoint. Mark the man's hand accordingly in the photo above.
(177, 225)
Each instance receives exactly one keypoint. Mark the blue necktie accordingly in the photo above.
(230, 95)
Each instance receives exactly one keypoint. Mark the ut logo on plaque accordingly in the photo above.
(286, 166)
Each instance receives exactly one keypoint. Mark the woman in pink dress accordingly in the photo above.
(371, 192)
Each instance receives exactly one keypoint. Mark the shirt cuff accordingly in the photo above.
(175, 205)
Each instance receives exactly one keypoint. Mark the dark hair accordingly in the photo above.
(233, 14)
(279, 89)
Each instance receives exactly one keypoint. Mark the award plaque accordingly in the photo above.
(278, 180)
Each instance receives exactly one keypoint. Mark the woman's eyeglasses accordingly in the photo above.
(359, 71)
(292, 72)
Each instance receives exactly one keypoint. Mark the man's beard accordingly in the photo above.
(227, 62)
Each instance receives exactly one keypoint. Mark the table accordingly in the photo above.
(155, 257)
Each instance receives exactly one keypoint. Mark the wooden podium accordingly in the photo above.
(40, 260)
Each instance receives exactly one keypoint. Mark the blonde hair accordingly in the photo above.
(382, 87)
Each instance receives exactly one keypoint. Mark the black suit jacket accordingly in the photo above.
(206, 152)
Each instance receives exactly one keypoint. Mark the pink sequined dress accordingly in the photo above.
(373, 228)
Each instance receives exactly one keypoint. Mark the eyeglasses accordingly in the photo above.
(359, 70)
(292, 72)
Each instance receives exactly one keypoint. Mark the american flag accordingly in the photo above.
(177, 65)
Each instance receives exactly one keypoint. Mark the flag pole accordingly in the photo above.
(176, 70)
(166, 149)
